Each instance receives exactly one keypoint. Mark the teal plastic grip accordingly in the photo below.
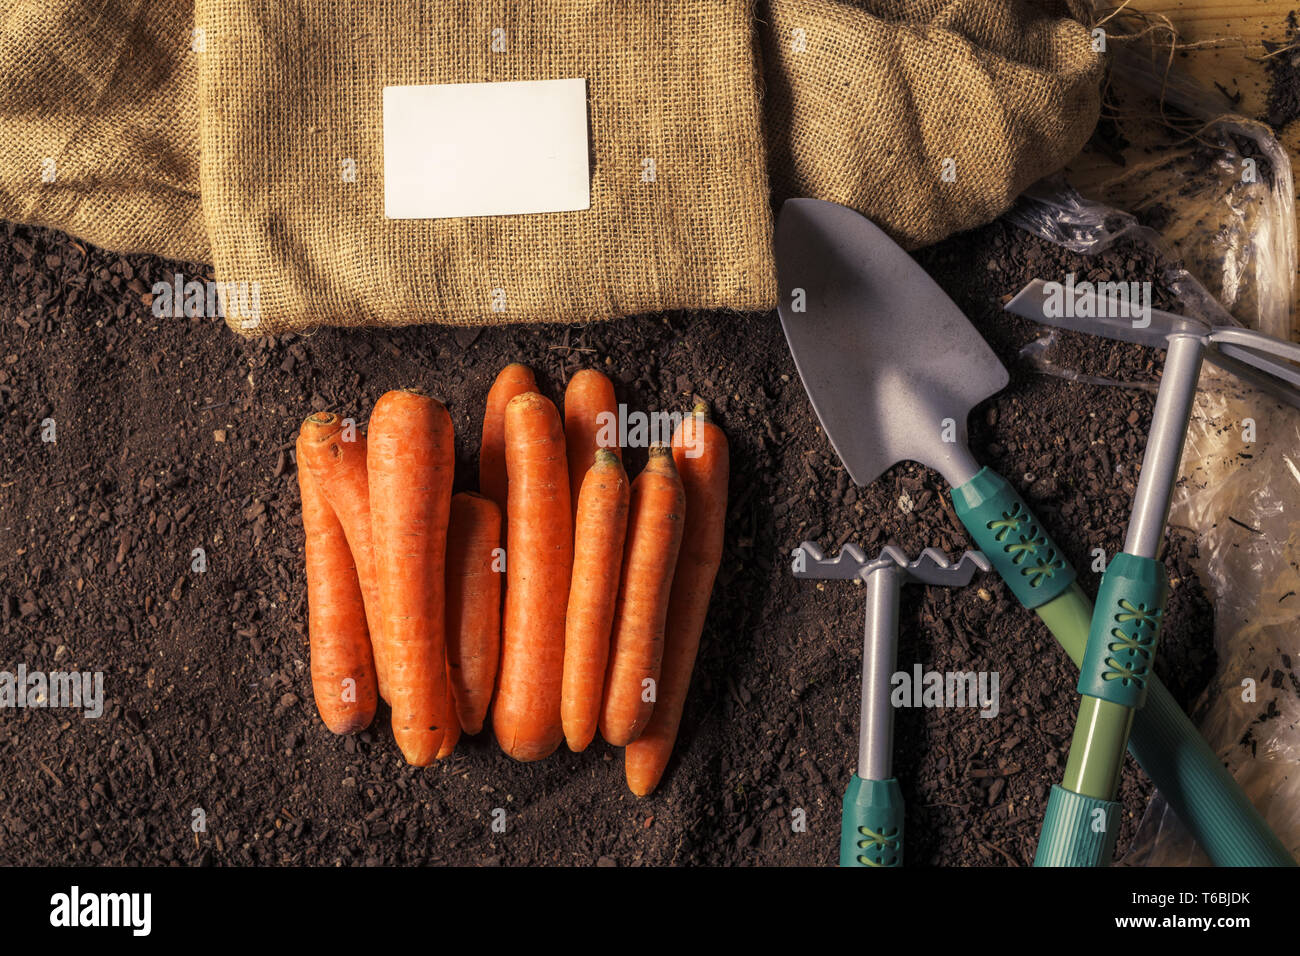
(1125, 627)
(1013, 539)
(1077, 830)
(871, 827)
(1199, 788)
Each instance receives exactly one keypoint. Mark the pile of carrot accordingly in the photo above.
(561, 596)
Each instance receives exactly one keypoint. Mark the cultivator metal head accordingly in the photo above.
(1259, 359)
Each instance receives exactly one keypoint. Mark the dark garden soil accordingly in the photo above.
(174, 434)
(1283, 65)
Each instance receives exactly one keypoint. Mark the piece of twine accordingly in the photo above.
(1165, 41)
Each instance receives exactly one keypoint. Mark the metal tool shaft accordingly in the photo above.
(1164, 449)
(879, 661)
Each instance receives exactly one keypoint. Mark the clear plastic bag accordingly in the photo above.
(1240, 487)
(1217, 186)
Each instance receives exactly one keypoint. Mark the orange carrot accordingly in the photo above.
(654, 535)
(452, 735)
(539, 558)
(342, 668)
(473, 605)
(597, 560)
(700, 450)
(411, 461)
(513, 380)
(588, 405)
(336, 456)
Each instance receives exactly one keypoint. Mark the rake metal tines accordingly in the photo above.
(930, 567)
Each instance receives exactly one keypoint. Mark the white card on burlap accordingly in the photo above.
(485, 149)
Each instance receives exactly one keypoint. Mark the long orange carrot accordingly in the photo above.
(337, 458)
(473, 605)
(702, 457)
(654, 535)
(342, 667)
(539, 559)
(411, 461)
(597, 561)
(588, 407)
(512, 380)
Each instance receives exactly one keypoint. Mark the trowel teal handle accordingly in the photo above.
(1013, 539)
(1168, 747)
(871, 826)
(1204, 795)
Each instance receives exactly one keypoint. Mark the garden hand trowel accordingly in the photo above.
(893, 368)
(871, 826)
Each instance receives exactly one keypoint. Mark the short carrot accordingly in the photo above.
(514, 379)
(654, 535)
(598, 535)
(336, 455)
(701, 454)
(590, 414)
(411, 461)
(342, 667)
(539, 559)
(474, 572)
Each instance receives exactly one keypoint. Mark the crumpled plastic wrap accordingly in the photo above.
(1239, 491)
(1059, 213)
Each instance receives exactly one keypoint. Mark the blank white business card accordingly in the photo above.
(485, 149)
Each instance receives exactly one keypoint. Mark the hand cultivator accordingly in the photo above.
(1130, 609)
(893, 369)
(871, 829)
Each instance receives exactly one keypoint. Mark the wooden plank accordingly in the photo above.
(1195, 11)
(1238, 31)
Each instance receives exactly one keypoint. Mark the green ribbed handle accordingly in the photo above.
(871, 827)
(1077, 830)
(1207, 799)
(1205, 796)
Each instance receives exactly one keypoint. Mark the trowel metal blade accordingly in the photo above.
(891, 364)
(1039, 302)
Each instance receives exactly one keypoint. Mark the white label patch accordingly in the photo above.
(485, 149)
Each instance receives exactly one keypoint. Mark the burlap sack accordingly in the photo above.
(928, 115)
(99, 123)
